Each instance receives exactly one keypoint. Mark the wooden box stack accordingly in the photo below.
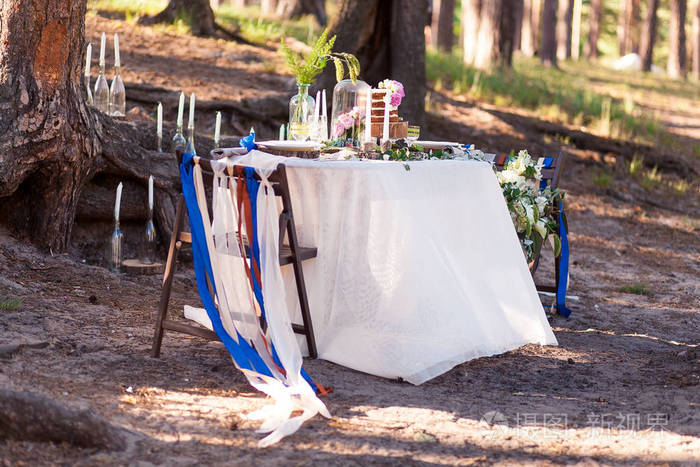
(398, 128)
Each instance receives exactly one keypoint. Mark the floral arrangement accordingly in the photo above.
(306, 68)
(396, 92)
(533, 210)
(350, 120)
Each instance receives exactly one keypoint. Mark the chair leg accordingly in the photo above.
(168, 276)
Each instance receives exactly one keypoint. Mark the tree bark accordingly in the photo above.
(442, 27)
(696, 42)
(676, 40)
(518, 31)
(471, 15)
(628, 27)
(563, 30)
(387, 36)
(548, 49)
(28, 416)
(197, 13)
(487, 51)
(295, 8)
(268, 7)
(591, 49)
(507, 32)
(649, 35)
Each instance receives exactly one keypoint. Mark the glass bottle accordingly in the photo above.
(89, 91)
(148, 247)
(101, 95)
(179, 141)
(301, 113)
(190, 149)
(117, 95)
(115, 249)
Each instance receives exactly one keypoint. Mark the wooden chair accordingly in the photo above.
(550, 175)
(289, 254)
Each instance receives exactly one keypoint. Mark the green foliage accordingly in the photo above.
(637, 289)
(10, 304)
(308, 67)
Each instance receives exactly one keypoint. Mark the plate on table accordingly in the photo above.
(289, 145)
(435, 144)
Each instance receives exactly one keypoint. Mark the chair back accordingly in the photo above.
(550, 171)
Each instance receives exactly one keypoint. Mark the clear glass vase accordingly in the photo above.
(179, 141)
(117, 96)
(301, 114)
(189, 148)
(348, 114)
(101, 95)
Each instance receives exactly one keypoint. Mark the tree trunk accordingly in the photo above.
(51, 142)
(506, 34)
(628, 27)
(696, 41)
(518, 31)
(471, 15)
(591, 49)
(576, 29)
(442, 27)
(197, 13)
(649, 35)
(388, 38)
(676, 39)
(548, 50)
(290, 9)
(28, 416)
(528, 42)
(488, 52)
(563, 30)
(268, 7)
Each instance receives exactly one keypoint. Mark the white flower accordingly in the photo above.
(541, 228)
(510, 176)
(541, 203)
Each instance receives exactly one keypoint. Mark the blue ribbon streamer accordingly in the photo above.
(249, 142)
(563, 265)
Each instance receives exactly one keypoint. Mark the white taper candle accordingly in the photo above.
(180, 109)
(387, 106)
(323, 105)
(88, 59)
(368, 116)
(117, 60)
(118, 202)
(150, 193)
(217, 129)
(191, 114)
(103, 44)
(281, 132)
(317, 106)
(159, 120)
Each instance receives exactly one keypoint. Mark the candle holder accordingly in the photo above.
(116, 253)
(101, 95)
(117, 96)
(179, 141)
(148, 245)
(189, 148)
(90, 100)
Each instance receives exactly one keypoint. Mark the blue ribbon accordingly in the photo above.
(249, 142)
(563, 264)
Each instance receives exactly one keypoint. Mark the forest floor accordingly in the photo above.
(622, 387)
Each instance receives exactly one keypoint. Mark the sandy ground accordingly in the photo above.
(623, 387)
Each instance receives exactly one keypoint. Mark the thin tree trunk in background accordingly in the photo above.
(290, 9)
(518, 30)
(576, 29)
(527, 43)
(268, 7)
(591, 49)
(563, 30)
(506, 33)
(676, 39)
(487, 52)
(239, 3)
(695, 38)
(471, 16)
(548, 49)
(646, 49)
(446, 35)
(622, 27)
(628, 27)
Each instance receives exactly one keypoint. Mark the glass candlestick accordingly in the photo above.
(101, 95)
(190, 149)
(115, 249)
(148, 247)
(117, 96)
(90, 101)
(179, 141)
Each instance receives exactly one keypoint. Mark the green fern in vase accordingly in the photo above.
(306, 68)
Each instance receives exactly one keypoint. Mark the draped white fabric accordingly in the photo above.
(237, 307)
(418, 266)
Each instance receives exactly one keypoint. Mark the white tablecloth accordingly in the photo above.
(417, 270)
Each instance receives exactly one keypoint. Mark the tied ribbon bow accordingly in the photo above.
(249, 141)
